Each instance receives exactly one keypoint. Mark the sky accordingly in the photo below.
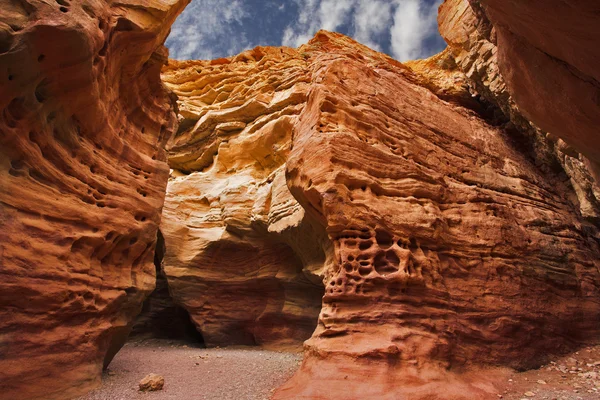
(208, 29)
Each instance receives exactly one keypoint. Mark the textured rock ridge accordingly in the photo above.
(84, 118)
(241, 256)
(447, 240)
(473, 42)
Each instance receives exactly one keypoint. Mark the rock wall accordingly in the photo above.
(548, 56)
(454, 248)
(241, 255)
(473, 42)
(84, 118)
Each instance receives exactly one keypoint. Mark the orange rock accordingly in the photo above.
(241, 256)
(452, 250)
(473, 43)
(152, 383)
(548, 54)
(84, 118)
(455, 250)
(441, 75)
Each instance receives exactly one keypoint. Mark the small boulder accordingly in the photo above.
(152, 383)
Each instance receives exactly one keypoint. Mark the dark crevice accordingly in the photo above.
(161, 318)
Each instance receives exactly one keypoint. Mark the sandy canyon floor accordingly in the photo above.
(245, 373)
(192, 373)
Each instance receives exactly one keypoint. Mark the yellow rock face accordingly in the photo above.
(241, 255)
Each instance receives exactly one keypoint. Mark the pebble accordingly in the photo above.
(152, 383)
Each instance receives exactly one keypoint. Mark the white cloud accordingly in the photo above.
(213, 28)
(333, 13)
(204, 21)
(413, 23)
(372, 18)
(407, 23)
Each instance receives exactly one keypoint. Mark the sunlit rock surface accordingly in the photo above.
(452, 251)
(84, 119)
(241, 255)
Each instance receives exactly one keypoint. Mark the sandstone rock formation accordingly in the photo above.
(452, 251)
(548, 56)
(446, 243)
(446, 239)
(82, 180)
(241, 256)
(473, 43)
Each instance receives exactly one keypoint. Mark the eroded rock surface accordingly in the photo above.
(453, 252)
(547, 53)
(84, 119)
(241, 255)
(473, 42)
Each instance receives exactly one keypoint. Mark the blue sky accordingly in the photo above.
(207, 29)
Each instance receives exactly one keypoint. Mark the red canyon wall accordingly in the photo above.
(548, 54)
(83, 122)
(449, 235)
(476, 50)
(448, 240)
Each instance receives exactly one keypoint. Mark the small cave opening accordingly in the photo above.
(161, 318)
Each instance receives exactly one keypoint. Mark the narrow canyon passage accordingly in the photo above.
(160, 317)
(414, 230)
(164, 340)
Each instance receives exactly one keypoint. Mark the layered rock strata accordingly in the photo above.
(452, 251)
(241, 255)
(473, 43)
(84, 119)
(548, 57)
(447, 239)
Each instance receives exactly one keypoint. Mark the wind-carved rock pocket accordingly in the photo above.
(368, 256)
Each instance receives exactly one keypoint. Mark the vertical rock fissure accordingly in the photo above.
(161, 317)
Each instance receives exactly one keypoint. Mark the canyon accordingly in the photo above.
(418, 228)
